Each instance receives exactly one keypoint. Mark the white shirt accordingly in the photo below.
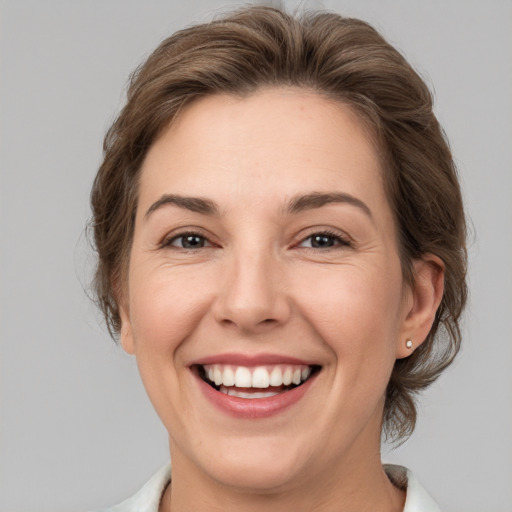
(148, 498)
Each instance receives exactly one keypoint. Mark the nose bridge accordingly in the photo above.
(252, 292)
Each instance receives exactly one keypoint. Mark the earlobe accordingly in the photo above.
(126, 334)
(426, 294)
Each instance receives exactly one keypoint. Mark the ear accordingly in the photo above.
(424, 296)
(126, 334)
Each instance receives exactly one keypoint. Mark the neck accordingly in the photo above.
(354, 484)
(383, 497)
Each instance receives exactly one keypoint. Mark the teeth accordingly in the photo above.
(217, 375)
(256, 377)
(242, 377)
(228, 376)
(260, 378)
(245, 394)
(276, 377)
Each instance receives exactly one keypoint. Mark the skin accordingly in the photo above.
(258, 285)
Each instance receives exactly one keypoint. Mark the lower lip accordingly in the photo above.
(253, 408)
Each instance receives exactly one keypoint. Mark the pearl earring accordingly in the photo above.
(408, 344)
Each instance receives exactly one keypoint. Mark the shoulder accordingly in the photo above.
(148, 498)
(418, 499)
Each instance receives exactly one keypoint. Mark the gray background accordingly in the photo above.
(76, 430)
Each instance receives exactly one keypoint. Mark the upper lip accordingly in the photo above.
(251, 360)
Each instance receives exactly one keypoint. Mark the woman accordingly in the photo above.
(281, 244)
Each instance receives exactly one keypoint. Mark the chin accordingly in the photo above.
(259, 474)
(254, 463)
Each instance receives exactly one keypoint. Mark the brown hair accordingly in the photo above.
(339, 57)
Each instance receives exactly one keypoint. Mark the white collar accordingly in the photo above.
(417, 498)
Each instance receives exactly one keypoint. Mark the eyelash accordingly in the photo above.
(339, 240)
(336, 238)
(168, 242)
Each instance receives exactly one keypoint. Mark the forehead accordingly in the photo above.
(273, 143)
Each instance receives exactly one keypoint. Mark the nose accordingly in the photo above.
(252, 294)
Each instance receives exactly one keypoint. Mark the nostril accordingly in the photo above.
(229, 322)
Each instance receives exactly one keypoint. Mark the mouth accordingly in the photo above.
(255, 382)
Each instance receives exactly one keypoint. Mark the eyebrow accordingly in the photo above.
(318, 199)
(297, 204)
(194, 204)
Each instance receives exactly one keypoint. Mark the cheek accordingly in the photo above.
(165, 307)
(355, 310)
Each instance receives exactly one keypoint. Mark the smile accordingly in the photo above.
(249, 382)
(255, 391)
(257, 386)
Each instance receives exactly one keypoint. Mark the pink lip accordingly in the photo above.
(256, 408)
(250, 360)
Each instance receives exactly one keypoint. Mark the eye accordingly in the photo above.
(324, 240)
(188, 241)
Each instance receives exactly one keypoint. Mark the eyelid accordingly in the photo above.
(169, 238)
(343, 239)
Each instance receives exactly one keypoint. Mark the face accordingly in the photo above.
(265, 302)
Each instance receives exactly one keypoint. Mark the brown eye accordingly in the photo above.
(188, 241)
(323, 241)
